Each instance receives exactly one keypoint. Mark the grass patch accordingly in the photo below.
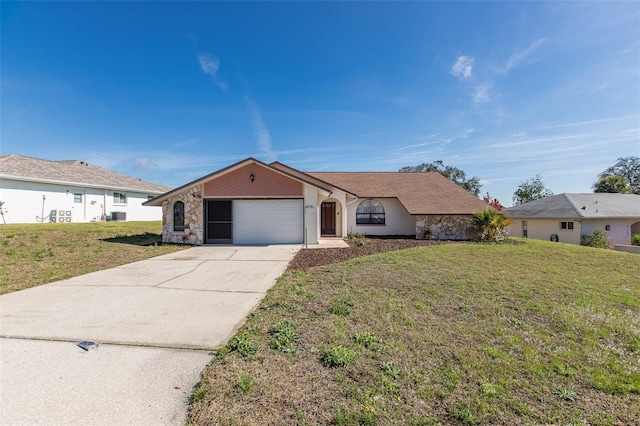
(338, 356)
(35, 254)
(528, 333)
(285, 337)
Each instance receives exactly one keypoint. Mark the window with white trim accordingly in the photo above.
(119, 198)
(77, 198)
(370, 212)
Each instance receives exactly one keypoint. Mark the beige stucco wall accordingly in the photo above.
(541, 229)
(311, 214)
(620, 230)
(340, 198)
(397, 220)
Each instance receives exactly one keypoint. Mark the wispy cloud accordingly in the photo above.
(209, 64)
(144, 164)
(416, 145)
(466, 133)
(589, 122)
(519, 57)
(463, 67)
(263, 137)
(481, 94)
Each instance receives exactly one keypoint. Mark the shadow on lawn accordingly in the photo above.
(146, 239)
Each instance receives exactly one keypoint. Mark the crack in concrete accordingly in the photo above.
(114, 343)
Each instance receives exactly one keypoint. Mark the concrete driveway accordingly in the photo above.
(156, 320)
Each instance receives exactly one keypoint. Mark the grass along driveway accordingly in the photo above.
(533, 333)
(35, 254)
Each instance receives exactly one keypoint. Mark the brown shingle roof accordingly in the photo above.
(419, 193)
(73, 172)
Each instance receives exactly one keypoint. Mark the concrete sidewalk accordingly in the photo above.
(146, 315)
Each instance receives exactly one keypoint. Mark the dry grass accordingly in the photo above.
(32, 255)
(534, 333)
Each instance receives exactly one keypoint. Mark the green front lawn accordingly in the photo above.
(531, 333)
(35, 254)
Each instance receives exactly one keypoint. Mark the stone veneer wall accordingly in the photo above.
(443, 227)
(193, 218)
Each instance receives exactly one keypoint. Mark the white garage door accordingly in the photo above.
(267, 221)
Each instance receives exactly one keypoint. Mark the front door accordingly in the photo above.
(218, 223)
(328, 218)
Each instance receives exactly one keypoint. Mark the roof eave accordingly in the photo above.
(79, 184)
(162, 197)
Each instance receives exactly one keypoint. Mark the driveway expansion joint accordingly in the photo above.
(115, 343)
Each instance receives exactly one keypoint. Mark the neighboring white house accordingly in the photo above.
(566, 217)
(251, 202)
(37, 191)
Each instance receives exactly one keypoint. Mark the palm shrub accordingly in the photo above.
(490, 225)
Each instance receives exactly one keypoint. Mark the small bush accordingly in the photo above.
(244, 384)
(367, 339)
(285, 337)
(565, 394)
(346, 418)
(200, 393)
(342, 306)
(464, 414)
(354, 235)
(389, 368)
(338, 356)
(240, 343)
(635, 239)
(490, 225)
(599, 239)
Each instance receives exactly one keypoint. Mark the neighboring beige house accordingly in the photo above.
(566, 217)
(251, 202)
(37, 191)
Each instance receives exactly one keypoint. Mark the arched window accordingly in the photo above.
(178, 216)
(370, 212)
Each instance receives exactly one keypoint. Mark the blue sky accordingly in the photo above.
(169, 92)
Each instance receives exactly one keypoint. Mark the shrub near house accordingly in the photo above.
(599, 239)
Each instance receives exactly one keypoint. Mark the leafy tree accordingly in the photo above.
(493, 202)
(613, 184)
(628, 168)
(454, 174)
(490, 225)
(531, 190)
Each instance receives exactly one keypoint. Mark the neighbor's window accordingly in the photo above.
(566, 225)
(77, 198)
(525, 231)
(150, 197)
(370, 212)
(119, 198)
(178, 216)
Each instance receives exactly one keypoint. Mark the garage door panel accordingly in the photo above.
(267, 221)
